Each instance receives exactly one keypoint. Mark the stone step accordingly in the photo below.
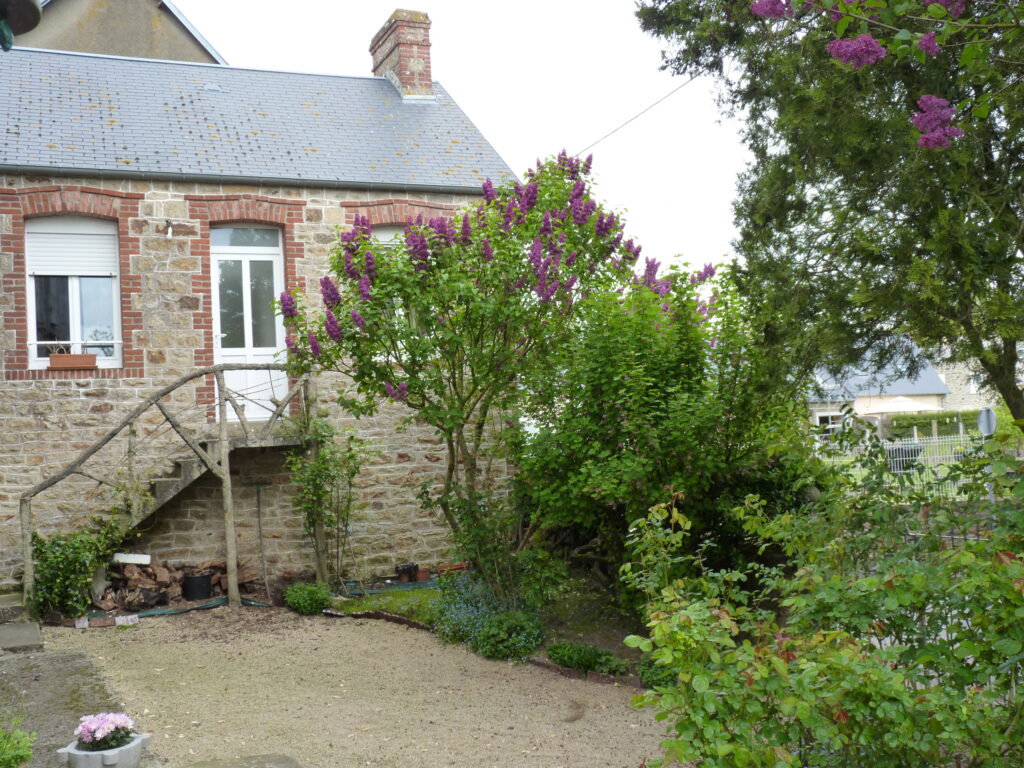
(20, 637)
(11, 607)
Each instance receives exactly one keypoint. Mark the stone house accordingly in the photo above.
(150, 211)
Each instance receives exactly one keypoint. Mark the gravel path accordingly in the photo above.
(334, 693)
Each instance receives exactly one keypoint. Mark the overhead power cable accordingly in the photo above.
(638, 114)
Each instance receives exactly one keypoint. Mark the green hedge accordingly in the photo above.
(902, 424)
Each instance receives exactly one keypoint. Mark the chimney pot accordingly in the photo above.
(401, 53)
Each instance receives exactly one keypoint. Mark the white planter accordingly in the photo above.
(127, 756)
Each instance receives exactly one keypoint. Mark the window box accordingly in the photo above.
(68, 362)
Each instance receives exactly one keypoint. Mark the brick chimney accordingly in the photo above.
(401, 53)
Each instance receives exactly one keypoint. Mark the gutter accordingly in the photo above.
(197, 178)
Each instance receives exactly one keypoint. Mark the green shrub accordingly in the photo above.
(892, 637)
(586, 658)
(466, 602)
(307, 598)
(65, 564)
(653, 675)
(508, 636)
(15, 746)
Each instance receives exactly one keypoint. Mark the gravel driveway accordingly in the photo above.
(334, 693)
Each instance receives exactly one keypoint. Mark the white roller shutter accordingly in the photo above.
(71, 245)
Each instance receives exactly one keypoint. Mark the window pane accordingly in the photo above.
(53, 314)
(261, 299)
(252, 237)
(97, 300)
(232, 309)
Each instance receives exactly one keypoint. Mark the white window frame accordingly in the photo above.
(44, 257)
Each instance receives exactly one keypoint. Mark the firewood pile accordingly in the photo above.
(138, 587)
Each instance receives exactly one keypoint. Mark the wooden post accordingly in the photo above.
(28, 572)
(313, 452)
(230, 542)
(935, 429)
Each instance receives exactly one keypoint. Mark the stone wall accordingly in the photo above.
(48, 417)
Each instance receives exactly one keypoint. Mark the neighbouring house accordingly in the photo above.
(150, 212)
(877, 396)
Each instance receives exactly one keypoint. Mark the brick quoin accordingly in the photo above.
(35, 202)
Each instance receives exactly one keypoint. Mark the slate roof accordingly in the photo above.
(850, 385)
(83, 114)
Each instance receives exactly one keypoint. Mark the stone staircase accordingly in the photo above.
(188, 470)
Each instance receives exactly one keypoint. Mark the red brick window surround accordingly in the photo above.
(396, 211)
(49, 201)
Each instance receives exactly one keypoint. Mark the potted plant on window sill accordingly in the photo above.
(106, 740)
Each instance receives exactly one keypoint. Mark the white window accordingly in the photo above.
(73, 294)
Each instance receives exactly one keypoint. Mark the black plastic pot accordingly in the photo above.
(197, 587)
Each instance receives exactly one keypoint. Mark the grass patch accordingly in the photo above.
(416, 604)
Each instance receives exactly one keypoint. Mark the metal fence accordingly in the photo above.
(917, 462)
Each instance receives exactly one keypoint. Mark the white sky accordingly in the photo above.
(535, 76)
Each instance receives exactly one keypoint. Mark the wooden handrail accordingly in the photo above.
(152, 400)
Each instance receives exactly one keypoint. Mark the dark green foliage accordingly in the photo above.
(307, 598)
(324, 468)
(508, 636)
(892, 637)
(65, 563)
(15, 746)
(653, 675)
(855, 240)
(586, 658)
(655, 401)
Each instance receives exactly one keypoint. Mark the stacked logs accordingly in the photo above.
(137, 587)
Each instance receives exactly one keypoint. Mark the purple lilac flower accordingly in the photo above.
(510, 210)
(314, 345)
(371, 266)
(466, 235)
(858, 53)
(419, 250)
(529, 198)
(650, 278)
(581, 210)
(928, 45)
(771, 9)
(332, 327)
(545, 225)
(401, 392)
(604, 225)
(570, 283)
(571, 259)
(288, 308)
(330, 292)
(350, 268)
(633, 250)
(587, 165)
(536, 257)
(357, 319)
(955, 8)
(293, 348)
(487, 250)
(933, 121)
(442, 230)
(364, 288)
(488, 189)
(704, 275)
(578, 189)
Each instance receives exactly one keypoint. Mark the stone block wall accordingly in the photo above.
(48, 417)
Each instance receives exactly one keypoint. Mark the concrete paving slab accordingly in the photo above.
(20, 636)
(50, 691)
